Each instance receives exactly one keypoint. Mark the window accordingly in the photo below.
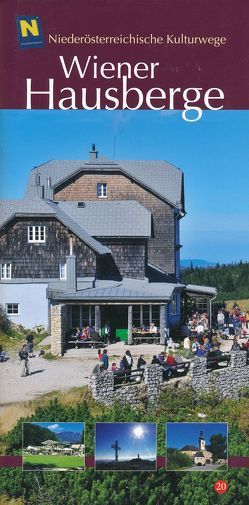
(63, 271)
(36, 234)
(101, 190)
(144, 315)
(12, 309)
(6, 271)
(175, 309)
(82, 315)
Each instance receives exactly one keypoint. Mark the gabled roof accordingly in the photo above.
(127, 290)
(9, 209)
(95, 219)
(160, 177)
(189, 448)
(78, 230)
(205, 290)
(111, 219)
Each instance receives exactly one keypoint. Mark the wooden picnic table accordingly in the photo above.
(142, 336)
(85, 343)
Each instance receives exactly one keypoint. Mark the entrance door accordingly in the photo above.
(117, 315)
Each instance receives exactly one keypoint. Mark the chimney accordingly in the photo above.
(93, 153)
(38, 189)
(48, 191)
(71, 268)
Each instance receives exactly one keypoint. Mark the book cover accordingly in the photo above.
(124, 312)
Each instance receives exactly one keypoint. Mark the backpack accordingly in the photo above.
(121, 365)
(23, 354)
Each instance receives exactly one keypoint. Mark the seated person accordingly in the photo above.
(201, 352)
(94, 335)
(170, 363)
(79, 333)
(243, 347)
(155, 361)
(207, 345)
(170, 360)
(141, 362)
(236, 345)
(161, 358)
(194, 346)
(153, 328)
(85, 335)
(3, 355)
(114, 367)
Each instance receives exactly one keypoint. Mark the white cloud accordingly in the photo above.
(53, 427)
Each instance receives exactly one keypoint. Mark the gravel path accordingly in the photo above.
(72, 370)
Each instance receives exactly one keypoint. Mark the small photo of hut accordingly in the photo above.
(125, 446)
(196, 446)
(53, 446)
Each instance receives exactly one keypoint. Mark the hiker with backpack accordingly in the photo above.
(24, 357)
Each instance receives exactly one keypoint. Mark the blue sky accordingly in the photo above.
(133, 438)
(60, 427)
(180, 434)
(213, 153)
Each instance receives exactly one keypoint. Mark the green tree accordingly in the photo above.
(218, 446)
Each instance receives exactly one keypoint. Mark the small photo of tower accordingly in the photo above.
(125, 446)
(196, 446)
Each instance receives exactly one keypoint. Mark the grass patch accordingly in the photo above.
(13, 340)
(242, 303)
(10, 414)
(34, 462)
(6, 500)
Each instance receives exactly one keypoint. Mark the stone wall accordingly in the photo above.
(59, 327)
(227, 382)
(102, 387)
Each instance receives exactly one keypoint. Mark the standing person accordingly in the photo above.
(105, 360)
(107, 331)
(99, 355)
(220, 320)
(186, 343)
(200, 328)
(24, 357)
(127, 360)
(30, 342)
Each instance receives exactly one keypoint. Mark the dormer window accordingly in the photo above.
(101, 190)
(36, 234)
(63, 271)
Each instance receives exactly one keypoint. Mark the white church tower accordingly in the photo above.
(202, 442)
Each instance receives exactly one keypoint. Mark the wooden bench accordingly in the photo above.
(151, 338)
(214, 361)
(85, 343)
(122, 377)
(178, 370)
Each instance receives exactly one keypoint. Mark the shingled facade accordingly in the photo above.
(94, 240)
